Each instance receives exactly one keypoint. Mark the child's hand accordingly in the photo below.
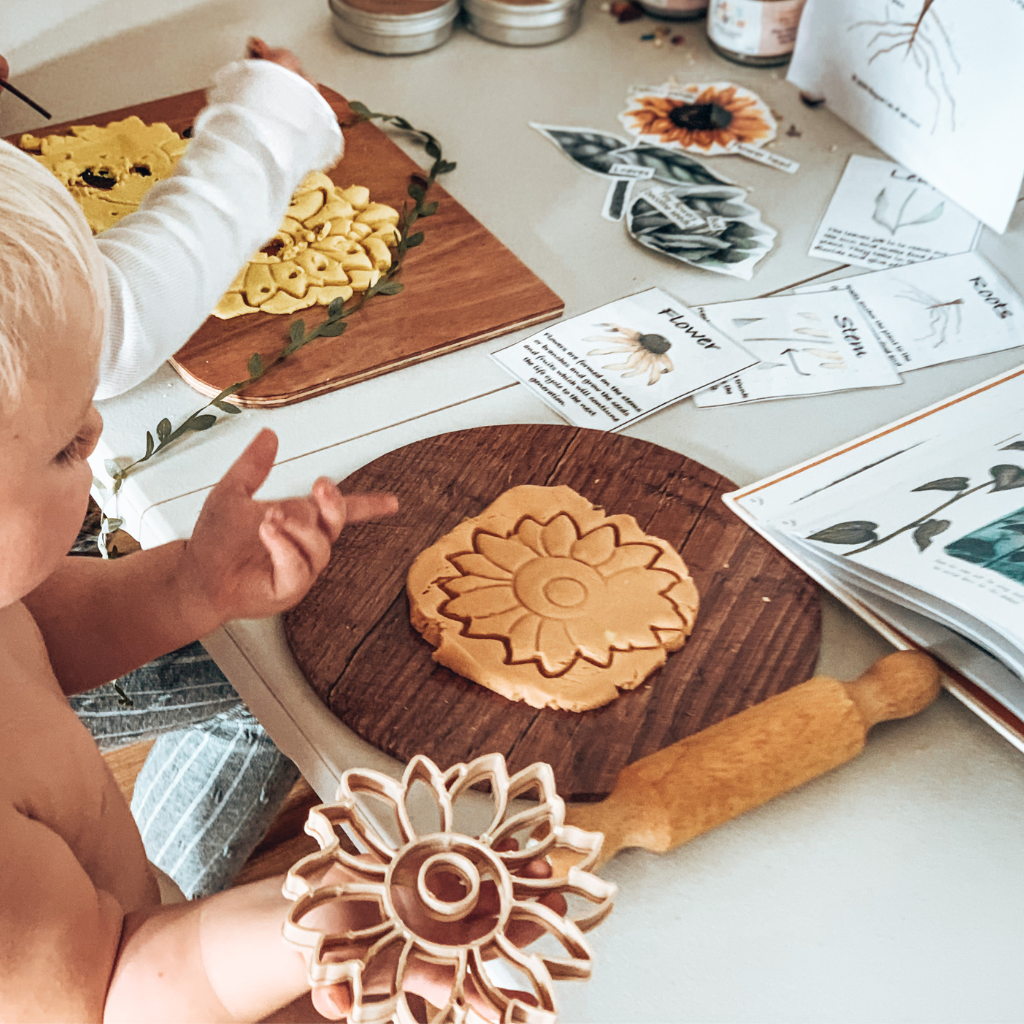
(249, 559)
(433, 982)
(257, 49)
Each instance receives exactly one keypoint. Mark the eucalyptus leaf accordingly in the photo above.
(926, 531)
(445, 167)
(413, 240)
(297, 332)
(163, 428)
(255, 366)
(113, 469)
(946, 483)
(360, 108)
(332, 330)
(857, 531)
(390, 288)
(150, 445)
(428, 209)
(1007, 478)
(432, 148)
(334, 310)
(226, 407)
(203, 422)
(417, 191)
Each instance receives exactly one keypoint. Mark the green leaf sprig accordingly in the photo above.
(333, 326)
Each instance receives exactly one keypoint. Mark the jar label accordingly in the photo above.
(755, 28)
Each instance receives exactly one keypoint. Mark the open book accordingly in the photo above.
(918, 527)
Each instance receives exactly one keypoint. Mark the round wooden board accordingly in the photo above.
(757, 631)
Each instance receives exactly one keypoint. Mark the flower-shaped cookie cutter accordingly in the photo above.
(428, 892)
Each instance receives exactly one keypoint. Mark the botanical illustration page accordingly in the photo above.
(930, 82)
(930, 512)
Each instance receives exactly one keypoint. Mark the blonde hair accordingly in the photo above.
(44, 240)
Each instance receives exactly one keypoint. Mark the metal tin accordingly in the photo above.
(675, 10)
(522, 24)
(390, 34)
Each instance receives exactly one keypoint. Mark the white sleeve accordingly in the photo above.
(169, 263)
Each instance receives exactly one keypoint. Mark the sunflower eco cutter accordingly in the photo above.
(400, 879)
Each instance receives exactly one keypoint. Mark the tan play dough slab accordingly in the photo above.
(545, 599)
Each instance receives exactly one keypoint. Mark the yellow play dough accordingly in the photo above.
(332, 242)
(543, 598)
(108, 170)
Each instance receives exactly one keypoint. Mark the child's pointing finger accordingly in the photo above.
(360, 507)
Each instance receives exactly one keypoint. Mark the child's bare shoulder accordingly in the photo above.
(71, 860)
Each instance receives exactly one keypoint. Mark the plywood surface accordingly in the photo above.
(757, 632)
(461, 285)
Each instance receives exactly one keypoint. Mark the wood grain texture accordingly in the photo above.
(496, 292)
(352, 638)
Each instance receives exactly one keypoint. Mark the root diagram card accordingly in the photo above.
(937, 312)
(882, 216)
(807, 344)
(932, 83)
(621, 362)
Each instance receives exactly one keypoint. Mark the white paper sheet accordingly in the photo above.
(937, 312)
(881, 216)
(623, 361)
(807, 344)
(934, 83)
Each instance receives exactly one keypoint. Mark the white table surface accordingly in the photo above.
(889, 890)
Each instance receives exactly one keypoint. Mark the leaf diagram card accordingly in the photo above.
(931, 82)
(937, 312)
(623, 361)
(807, 344)
(882, 216)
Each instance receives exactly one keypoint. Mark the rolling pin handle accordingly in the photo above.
(896, 686)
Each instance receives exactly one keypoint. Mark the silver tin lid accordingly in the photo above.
(523, 24)
(386, 33)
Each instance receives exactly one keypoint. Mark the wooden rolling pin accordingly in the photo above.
(742, 762)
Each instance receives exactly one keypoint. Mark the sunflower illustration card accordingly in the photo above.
(806, 344)
(623, 361)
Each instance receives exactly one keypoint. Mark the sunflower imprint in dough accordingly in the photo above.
(545, 599)
(331, 243)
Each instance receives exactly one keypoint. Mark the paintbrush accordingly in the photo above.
(4, 84)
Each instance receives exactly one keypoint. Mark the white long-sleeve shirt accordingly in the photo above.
(263, 130)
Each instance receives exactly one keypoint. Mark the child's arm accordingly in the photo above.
(67, 953)
(246, 559)
(170, 262)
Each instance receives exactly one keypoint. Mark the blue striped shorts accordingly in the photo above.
(212, 782)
